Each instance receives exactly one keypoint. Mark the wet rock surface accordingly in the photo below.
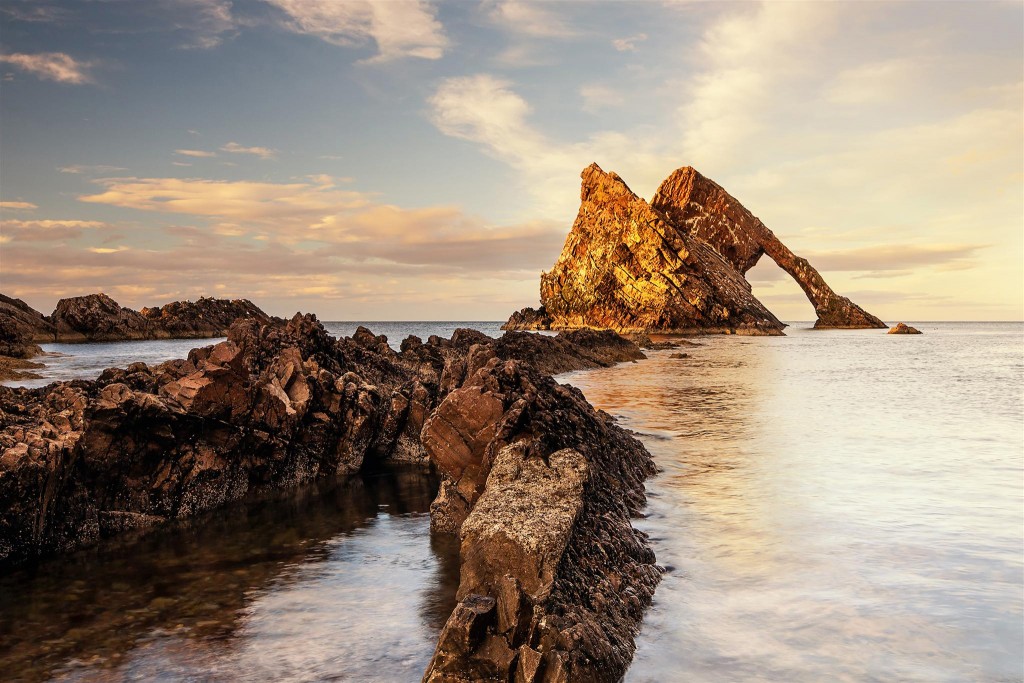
(539, 485)
(903, 328)
(676, 264)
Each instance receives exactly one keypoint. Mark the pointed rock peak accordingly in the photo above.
(603, 183)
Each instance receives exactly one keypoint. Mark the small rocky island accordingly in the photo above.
(673, 265)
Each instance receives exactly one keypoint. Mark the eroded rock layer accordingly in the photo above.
(540, 485)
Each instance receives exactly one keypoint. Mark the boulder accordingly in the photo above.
(903, 328)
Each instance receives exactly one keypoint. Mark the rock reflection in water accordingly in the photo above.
(336, 581)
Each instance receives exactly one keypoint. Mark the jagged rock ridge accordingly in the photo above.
(674, 265)
(541, 485)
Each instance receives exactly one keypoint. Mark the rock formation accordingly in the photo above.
(540, 485)
(675, 265)
(20, 327)
(624, 267)
(97, 317)
(903, 328)
(702, 208)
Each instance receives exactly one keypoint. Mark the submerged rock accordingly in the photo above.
(903, 328)
(674, 265)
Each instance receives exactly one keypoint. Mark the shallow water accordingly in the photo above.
(330, 582)
(842, 505)
(832, 506)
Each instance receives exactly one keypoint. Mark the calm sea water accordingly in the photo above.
(832, 506)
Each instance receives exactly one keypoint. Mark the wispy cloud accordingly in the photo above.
(45, 230)
(18, 206)
(530, 18)
(261, 152)
(90, 168)
(205, 21)
(399, 28)
(630, 43)
(198, 153)
(51, 66)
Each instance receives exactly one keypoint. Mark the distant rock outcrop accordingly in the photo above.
(674, 265)
(97, 317)
(903, 328)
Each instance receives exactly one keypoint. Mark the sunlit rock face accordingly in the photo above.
(625, 267)
(674, 265)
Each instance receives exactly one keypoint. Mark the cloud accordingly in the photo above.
(51, 66)
(18, 206)
(261, 152)
(895, 257)
(399, 28)
(629, 44)
(33, 11)
(45, 230)
(90, 168)
(242, 200)
(206, 21)
(486, 110)
(530, 18)
(199, 153)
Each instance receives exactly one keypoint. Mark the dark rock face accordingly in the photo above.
(21, 326)
(701, 207)
(675, 265)
(903, 328)
(97, 317)
(625, 268)
(207, 317)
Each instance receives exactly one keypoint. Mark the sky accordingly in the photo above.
(412, 160)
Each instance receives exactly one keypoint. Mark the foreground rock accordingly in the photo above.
(540, 485)
(554, 578)
(903, 328)
(676, 265)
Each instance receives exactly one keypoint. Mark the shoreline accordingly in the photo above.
(338, 405)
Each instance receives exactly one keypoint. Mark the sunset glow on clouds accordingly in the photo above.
(421, 160)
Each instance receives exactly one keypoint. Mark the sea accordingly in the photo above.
(830, 506)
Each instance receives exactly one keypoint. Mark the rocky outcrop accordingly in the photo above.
(541, 486)
(20, 327)
(206, 317)
(625, 268)
(702, 208)
(97, 317)
(903, 328)
(675, 265)
(554, 578)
